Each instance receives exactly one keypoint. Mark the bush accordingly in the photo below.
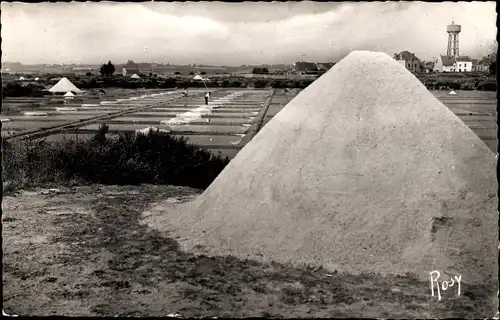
(151, 84)
(454, 85)
(157, 158)
(302, 84)
(107, 69)
(168, 83)
(13, 89)
(211, 84)
(260, 71)
(469, 85)
(235, 84)
(259, 83)
(488, 86)
(493, 68)
(279, 84)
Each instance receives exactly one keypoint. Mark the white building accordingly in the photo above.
(464, 64)
(453, 64)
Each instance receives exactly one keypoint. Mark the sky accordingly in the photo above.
(238, 33)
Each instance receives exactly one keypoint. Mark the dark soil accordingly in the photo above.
(82, 251)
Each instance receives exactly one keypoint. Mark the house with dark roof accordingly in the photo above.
(445, 64)
(302, 66)
(428, 66)
(483, 64)
(453, 64)
(409, 60)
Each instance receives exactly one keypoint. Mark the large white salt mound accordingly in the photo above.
(364, 171)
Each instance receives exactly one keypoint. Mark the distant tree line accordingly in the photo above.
(455, 81)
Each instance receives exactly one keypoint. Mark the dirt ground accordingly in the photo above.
(82, 251)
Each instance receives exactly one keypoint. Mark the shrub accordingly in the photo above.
(454, 85)
(107, 69)
(182, 83)
(260, 71)
(168, 83)
(302, 84)
(235, 84)
(259, 83)
(493, 68)
(278, 84)
(488, 86)
(469, 85)
(441, 85)
(13, 89)
(211, 84)
(151, 84)
(157, 158)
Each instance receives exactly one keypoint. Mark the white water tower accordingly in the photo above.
(453, 31)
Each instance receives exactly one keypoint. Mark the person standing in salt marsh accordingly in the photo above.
(207, 95)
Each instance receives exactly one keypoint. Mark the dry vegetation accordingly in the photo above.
(157, 158)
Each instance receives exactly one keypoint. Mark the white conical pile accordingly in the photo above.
(64, 86)
(364, 171)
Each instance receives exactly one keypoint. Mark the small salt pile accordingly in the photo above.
(35, 113)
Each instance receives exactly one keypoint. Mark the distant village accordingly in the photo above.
(444, 63)
(452, 61)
